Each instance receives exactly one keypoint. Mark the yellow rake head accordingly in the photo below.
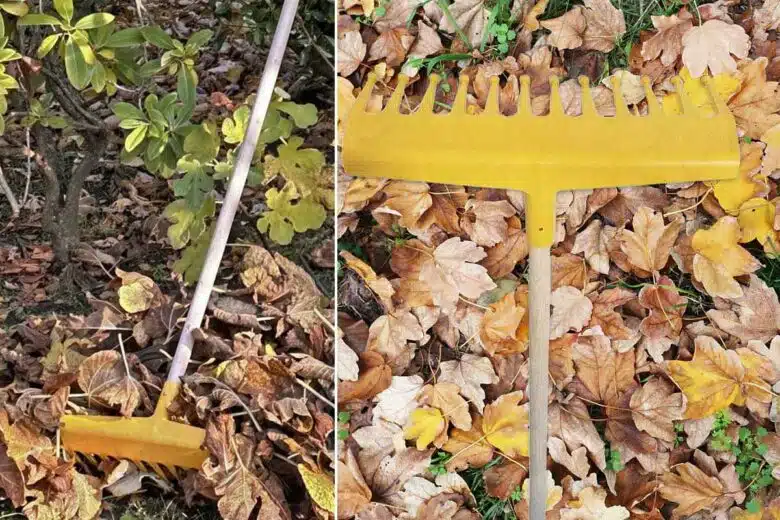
(156, 440)
(540, 155)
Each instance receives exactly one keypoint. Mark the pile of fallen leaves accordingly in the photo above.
(260, 383)
(664, 351)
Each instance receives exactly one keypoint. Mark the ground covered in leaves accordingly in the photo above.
(100, 341)
(664, 351)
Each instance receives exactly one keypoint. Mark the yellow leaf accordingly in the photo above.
(771, 161)
(427, 425)
(719, 258)
(711, 381)
(138, 292)
(756, 219)
(731, 194)
(346, 98)
(320, 488)
(530, 22)
(505, 424)
(725, 85)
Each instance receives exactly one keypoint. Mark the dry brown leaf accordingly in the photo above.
(471, 18)
(397, 12)
(576, 461)
(666, 307)
(427, 43)
(649, 244)
(569, 270)
(604, 314)
(605, 25)
(397, 402)
(566, 31)
(561, 363)
(453, 272)
(392, 46)
(445, 397)
(756, 104)
(505, 424)
(421, 205)
(501, 259)
(667, 42)
(470, 448)
(591, 505)
(469, 374)
(571, 423)
(353, 492)
(624, 205)
(390, 335)
(755, 314)
(504, 326)
(711, 44)
(380, 285)
(104, 376)
(654, 407)
(374, 377)
(11, 479)
(537, 64)
(352, 50)
(571, 311)
(603, 371)
(691, 488)
(485, 221)
(593, 242)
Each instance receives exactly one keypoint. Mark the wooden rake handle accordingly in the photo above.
(208, 274)
(539, 283)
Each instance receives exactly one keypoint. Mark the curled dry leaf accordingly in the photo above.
(468, 16)
(105, 376)
(593, 242)
(691, 488)
(649, 244)
(504, 327)
(605, 25)
(501, 259)
(469, 373)
(352, 50)
(390, 335)
(566, 31)
(378, 284)
(571, 311)
(655, 406)
(485, 221)
(755, 314)
(666, 307)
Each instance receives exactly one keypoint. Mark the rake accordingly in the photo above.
(540, 155)
(156, 440)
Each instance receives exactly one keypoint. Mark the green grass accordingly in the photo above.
(491, 508)
(770, 273)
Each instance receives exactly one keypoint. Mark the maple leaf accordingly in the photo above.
(626, 203)
(504, 327)
(561, 363)
(389, 335)
(691, 488)
(604, 315)
(374, 377)
(756, 314)
(654, 407)
(571, 311)
(470, 447)
(569, 270)
(452, 273)
(446, 397)
(11, 479)
(711, 381)
(630, 85)
(603, 371)
(427, 425)
(288, 213)
(105, 376)
(392, 46)
(593, 242)
(397, 12)
(468, 16)
(566, 31)
(380, 285)
(420, 209)
(138, 293)
(605, 25)
(352, 50)
(756, 104)
(719, 258)
(771, 160)
(396, 402)
(571, 98)
(485, 221)
(571, 423)
(353, 492)
(733, 193)
(505, 424)
(756, 221)
(666, 307)
(667, 42)
(427, 42)
(649, 244)
(711, 45)
(469, 374)
(501, 259)
(576, 461)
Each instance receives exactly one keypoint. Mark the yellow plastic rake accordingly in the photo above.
(158, 441)
(540, 155)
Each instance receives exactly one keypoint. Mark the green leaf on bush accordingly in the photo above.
(191, 262)
(125, 38)
(14, 8)
(93, 21)
(303, 115)
(127, 111)
(136, 137)
(301, 166)
(38, 19)
(185, 88)
(7, 55)
(64, 8)
(47, 45)
(233, 129)
(203, 142)
(187, 224)
(196, 184)
(75, 65)
(287, 216)
(156, 36)
(199, 39)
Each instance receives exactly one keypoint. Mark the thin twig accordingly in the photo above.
(29, 168)
(9, 194)
(316, 393)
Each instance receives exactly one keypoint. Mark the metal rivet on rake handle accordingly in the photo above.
(158, 440)
(542, 156)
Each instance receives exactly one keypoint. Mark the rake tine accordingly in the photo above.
(720, 105)
(653, 107)
(621, 109)
(491, 105)
(586, 98)
(459, 106)
(429, 99)
(365, 95)
(159, 470)
(525, 97)
(687, 105)
(394, 105)
(556, 105)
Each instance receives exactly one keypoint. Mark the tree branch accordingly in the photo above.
(9, 194)
(50, 163)
(69, 99)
